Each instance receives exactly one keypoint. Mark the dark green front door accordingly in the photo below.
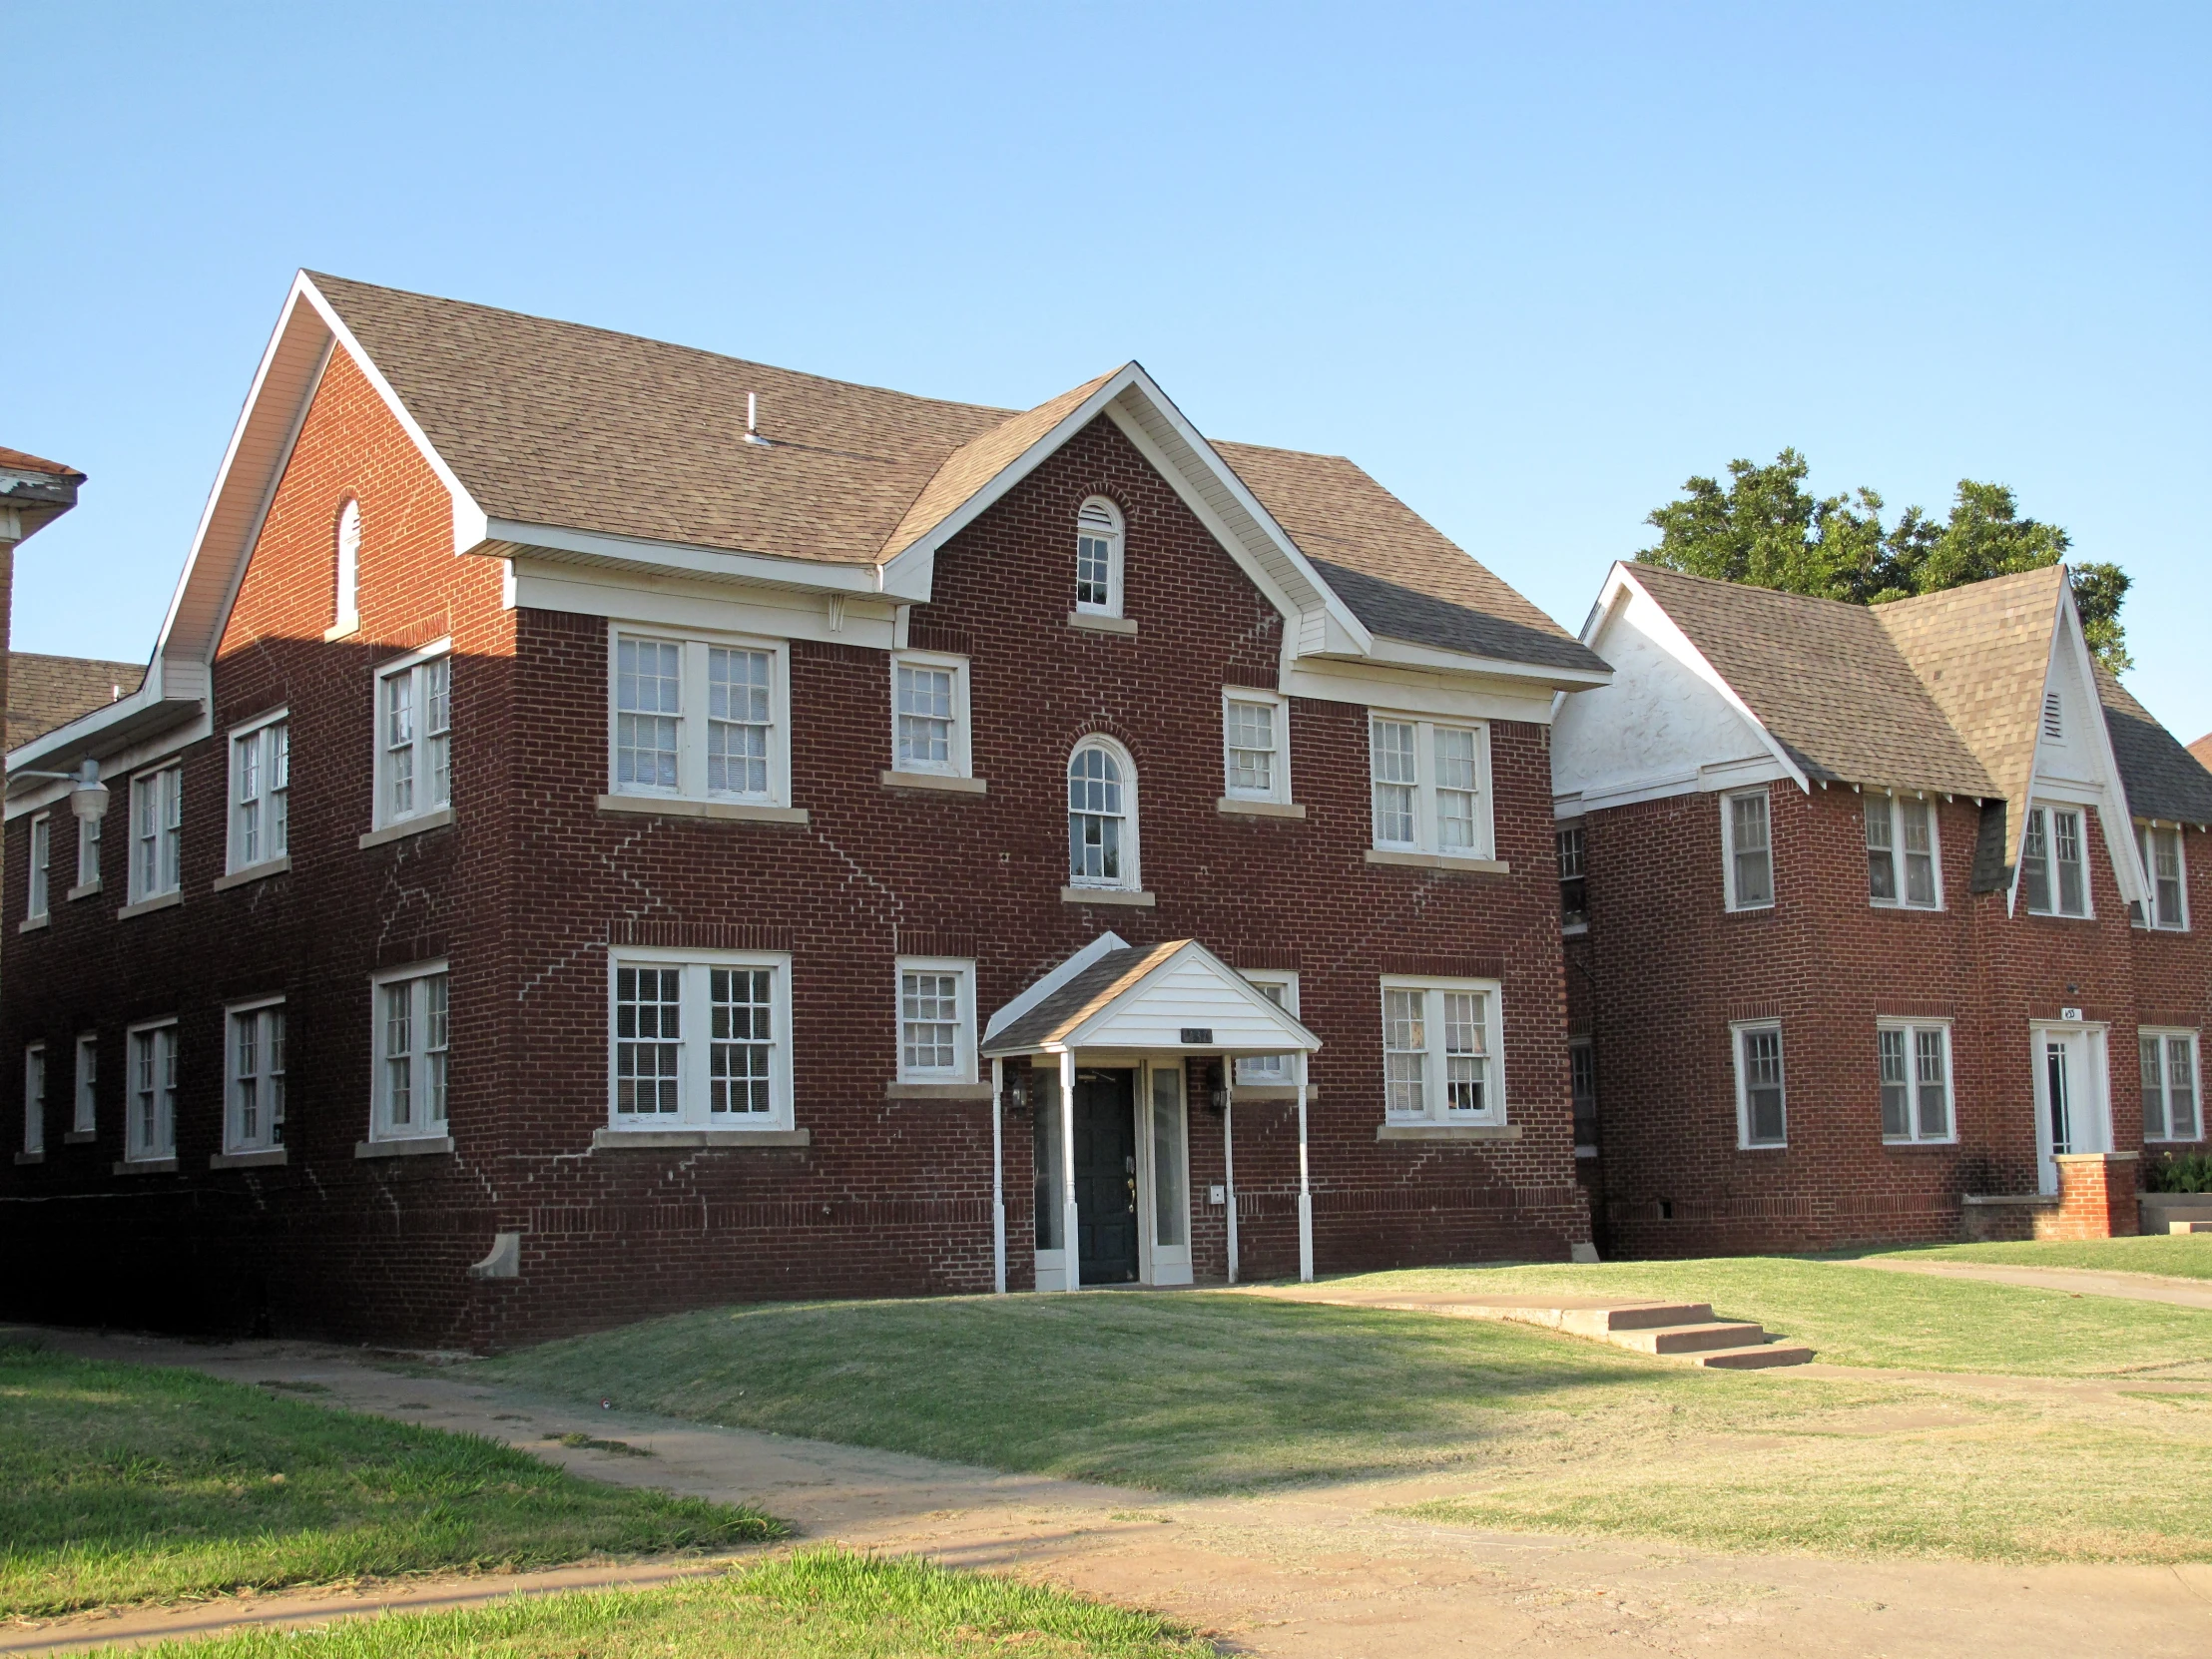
(1106, 1177)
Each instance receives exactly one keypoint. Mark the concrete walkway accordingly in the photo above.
(1322, 1572)
(2137, 1287)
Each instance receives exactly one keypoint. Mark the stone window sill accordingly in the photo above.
(937, 1091)
(1440, 861)
(1107, 896)
(1270, 1091)
(146, 906)
(406, 826)
(146, 1166)
(80, 1137)
(1888, 1145)
(83, 890)
(654, 1140)
(1259, 809)
(267, 1158)
(937, 781)
(411, 1146)
(1585, 1152)
(731, 811)
(2033, 1201)
(1091, 623)
(1447, 1132)
(343, 629)
(31, 924)
(253, 872)
(30, 1157)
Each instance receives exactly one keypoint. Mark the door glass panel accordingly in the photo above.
(1171, 1209)
(2054, 1060)
(1044, 1089)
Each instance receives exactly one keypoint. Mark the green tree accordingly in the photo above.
(1765, 528)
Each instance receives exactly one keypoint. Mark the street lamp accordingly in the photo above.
(89, 799)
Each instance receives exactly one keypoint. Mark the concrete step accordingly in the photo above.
(1641, 1315)
(1758, 1357)
(2189, 1227)
(1690, 1338)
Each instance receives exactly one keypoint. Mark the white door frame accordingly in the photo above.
(1156, 1264)
(2089, 1093)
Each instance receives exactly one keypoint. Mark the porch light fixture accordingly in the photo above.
(89, 799)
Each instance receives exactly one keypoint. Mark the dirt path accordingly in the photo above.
(2135, 1287)
(1319, 1573)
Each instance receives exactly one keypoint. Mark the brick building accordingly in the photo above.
(610, 828)
(1880, 920)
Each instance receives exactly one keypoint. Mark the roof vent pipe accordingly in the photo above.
(753, 419)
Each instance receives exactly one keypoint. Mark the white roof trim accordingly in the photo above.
(1298, 1036)
(1043, 988)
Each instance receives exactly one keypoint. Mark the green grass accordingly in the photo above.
(2177, 1255)
(131, 1483)
(822, 1604)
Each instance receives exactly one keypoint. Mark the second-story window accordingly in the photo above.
(2161, 850)
(1747, 856)
(88, 855)
(1102, 816)
(930, 713)
(1429, 785)
(256, 1120)
(1098, 541)
(42, 851)
(157, 832)
(1255, 738)
(1901, 852)
(700, 719)
(1574, 905)
(2054, 866)
(261, 794)
(414, 736)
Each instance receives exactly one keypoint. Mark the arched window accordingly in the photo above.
(1102, 816)
(1098, 558)
(349, 564)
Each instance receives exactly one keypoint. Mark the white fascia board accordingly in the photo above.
(510, 538)
(1388, 650)
(1298, 1035)
(1042, 988)
(1452, 696)
(191, 723)
(2113, 813)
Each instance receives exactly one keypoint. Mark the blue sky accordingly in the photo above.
(1530, 266)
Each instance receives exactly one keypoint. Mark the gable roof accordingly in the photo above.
(46, 692)
(1158, 989)
(2164, 780)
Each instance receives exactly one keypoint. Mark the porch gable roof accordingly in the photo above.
(1154, 998)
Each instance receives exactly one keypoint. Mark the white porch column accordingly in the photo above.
(1069, 1226)
(998, 1180)
(1305, 1193)
(1228, 1161)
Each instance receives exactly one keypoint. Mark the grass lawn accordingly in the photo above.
(2177, 1255)
(1207, 1392)
(128, 1482)
(822, 1604)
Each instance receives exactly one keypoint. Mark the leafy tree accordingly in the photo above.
(1765, 528)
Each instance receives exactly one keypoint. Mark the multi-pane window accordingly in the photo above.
(1749, 852)
(2161, 850)
(411, 1037)
(935, 1041)
(414, 737)
(698, 719)
(1102, 848)
(34, 1098)
(88, 854)
(87, 1117)
(1761, 1111)
(1914, 1062)
(2170, 1110)
(1582, 1092)
(1900, 852)
(1574, 903)
(1254, 761)
(930, 713)
(1439, 1052)
(700, 1041)
(1430, 786)
(151, 1131)
(2054, 866)
(157, 832)
(1262, 1070)
(256, 1120)
(1098, 557)
(42, 851)
(261, 794)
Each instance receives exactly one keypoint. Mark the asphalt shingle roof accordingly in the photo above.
(46, 692)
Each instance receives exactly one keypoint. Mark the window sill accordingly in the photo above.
(1107, 896)
(31, 924)
(1906, 910)
(84, 890)
(406, 1146)
(2053, 915)
(651, 1140)
(937, 1091)
(1092, 623)
(734, 811)
(267, 1158)
(80, 1137)
(1765, 910)
(1888, 1145)
(1574, 930)
(160, 901)
(1585, 1152)
(344, 628)
(30, 1157)
(1259, 809)
(144, 1166)
(1270, 1091)
(1440, 861)
(1447, 1132)
(406, 826)
(253, 872)
(2025, 1200)
(933, 781)
(1762, 1146)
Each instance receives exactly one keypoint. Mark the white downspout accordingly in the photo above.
(1305, 1192)
(1229, 1162)
(998, 1180)
(1069, 1224)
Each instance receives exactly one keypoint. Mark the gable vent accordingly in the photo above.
(1096, 515)
(2052, 726)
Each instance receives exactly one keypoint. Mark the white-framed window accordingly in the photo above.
(1255, 745)
(1279, 986)
(2171, 1111)
(1582, 1091)
(1442, 1047)
(1098, 547)
(2054, 862)
(254, 1077)
(1913, 1057)
(42, 852)
(1747, 850)
(699, 1039)
(409, 1039)
(348, 609)
(88, 851)
(1102, 816)
(930, 713)
(261, 791)
(1574, 902)
(1904, 868)
(414, 734)
(700, 719)
(87, 1117)
(157, 833)
(34, 1097)
(1762, 1107)
(151, 1131)
(2161, 847)
(1431, 786)
(936, 1019)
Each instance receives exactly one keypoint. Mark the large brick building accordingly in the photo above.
(601, 816)
(1883, 924)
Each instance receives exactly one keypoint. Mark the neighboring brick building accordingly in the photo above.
(46, 692)
(600, 815)
(1874, 914)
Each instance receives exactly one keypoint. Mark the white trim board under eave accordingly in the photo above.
(1042, 988)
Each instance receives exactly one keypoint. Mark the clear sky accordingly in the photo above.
(1531, 266)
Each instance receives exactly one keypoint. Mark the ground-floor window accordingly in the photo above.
(1914, 1061)
(1264, 1070)
(699, 1039)
(410, 1037)
(151, 1130)
(88, 1081)
(936, 1019)
(1762, 1114)
(1441, 1048)
(1582, 1091)
(255, 1121)
(2170, 1086)
(34, 1098)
